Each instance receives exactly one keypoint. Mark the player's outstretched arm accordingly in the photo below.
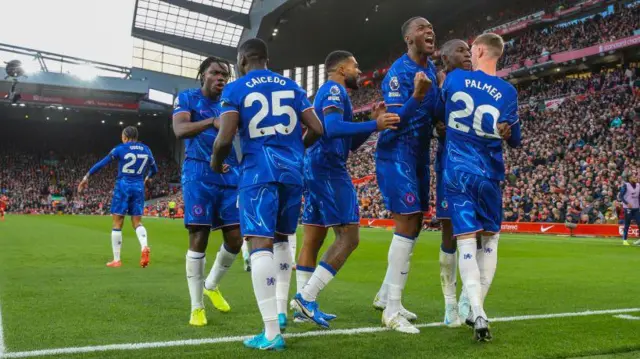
(224, 141)
(314, 127)
(95, 169)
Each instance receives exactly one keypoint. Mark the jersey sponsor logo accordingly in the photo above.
(544, 229)
(394, 94)
(333, 98)
(410, 198)
(197, 210)
(334, 90)
(394, 84)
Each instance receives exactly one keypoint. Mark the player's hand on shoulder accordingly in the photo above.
(421, 85)
(505, 130)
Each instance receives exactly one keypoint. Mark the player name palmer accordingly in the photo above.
(484, 87)
(265, 79)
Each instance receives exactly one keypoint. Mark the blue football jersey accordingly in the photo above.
(269, 106)
(327, 158)
(200, 146)
(474, 104)
(438, 166)
(397, 88)
(134, 161)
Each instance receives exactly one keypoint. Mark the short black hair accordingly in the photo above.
(334, 58)
(207, 62)
(130, 132)
(449, 46)
(254, 50)
(405, 26)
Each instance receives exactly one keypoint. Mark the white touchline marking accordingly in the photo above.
(315, 333)
(628, 317)
(3, 348)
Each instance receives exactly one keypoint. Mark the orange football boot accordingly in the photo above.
(114, 264)
(144, 257)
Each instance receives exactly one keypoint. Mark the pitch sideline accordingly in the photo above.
(316, 333)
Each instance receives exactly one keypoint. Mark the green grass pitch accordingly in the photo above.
(55, 292)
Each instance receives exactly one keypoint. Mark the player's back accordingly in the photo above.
(475, 103)
(269, 107)
(327, 158)
(397, 88)
(134, 161)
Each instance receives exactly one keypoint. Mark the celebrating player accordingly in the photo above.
(402, 162)
(455, 54)
(209, 198)
(330, 200)
(475, 103)
(136, 167)
(630, 198)
(267, 107)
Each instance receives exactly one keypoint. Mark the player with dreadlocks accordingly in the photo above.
(209, 198)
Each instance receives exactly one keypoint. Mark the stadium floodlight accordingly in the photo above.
(139, 123)
(60, 108)
(47, 118)
(121, 123)
(22, 105)
(102, 121)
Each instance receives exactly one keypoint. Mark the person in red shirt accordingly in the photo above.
(3, 206)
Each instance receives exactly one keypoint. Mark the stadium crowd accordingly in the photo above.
(535, 43)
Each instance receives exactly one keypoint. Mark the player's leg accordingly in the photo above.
(313, 238)
(116, 240)
(245, 256)
(136, 210)
(404, 201)
(461, 190)
(225, 217)
(198, 217)
(490, 214)
(119, 208)
(293, 246)
(627, 225)
(258, 224)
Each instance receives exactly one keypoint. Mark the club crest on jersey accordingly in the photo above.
(334, 90)
(394, 84)
(197, 210)
(410, 198)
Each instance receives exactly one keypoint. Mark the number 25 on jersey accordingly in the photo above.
(275, 108)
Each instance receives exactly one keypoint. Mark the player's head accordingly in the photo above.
(632, 178)
(214, 74)
(486, 48)
(252, 53)
(455, 54)
(343, 64)
(418, 33)
(129, 134)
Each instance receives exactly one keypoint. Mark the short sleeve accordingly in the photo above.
(396, 89)
(229, 100)
(302, 102)
(334, 98)
(181, 104)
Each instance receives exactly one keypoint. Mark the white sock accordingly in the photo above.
(303, 274)
(263, 276)
(282, 259)
(293, 244)
(245, 250)
(195, 278)
(224, 260)
(399, 254)
(141, 232)
(488, 262)
(320, 278)
(470, 274)
(448, 276)
(116, 243)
